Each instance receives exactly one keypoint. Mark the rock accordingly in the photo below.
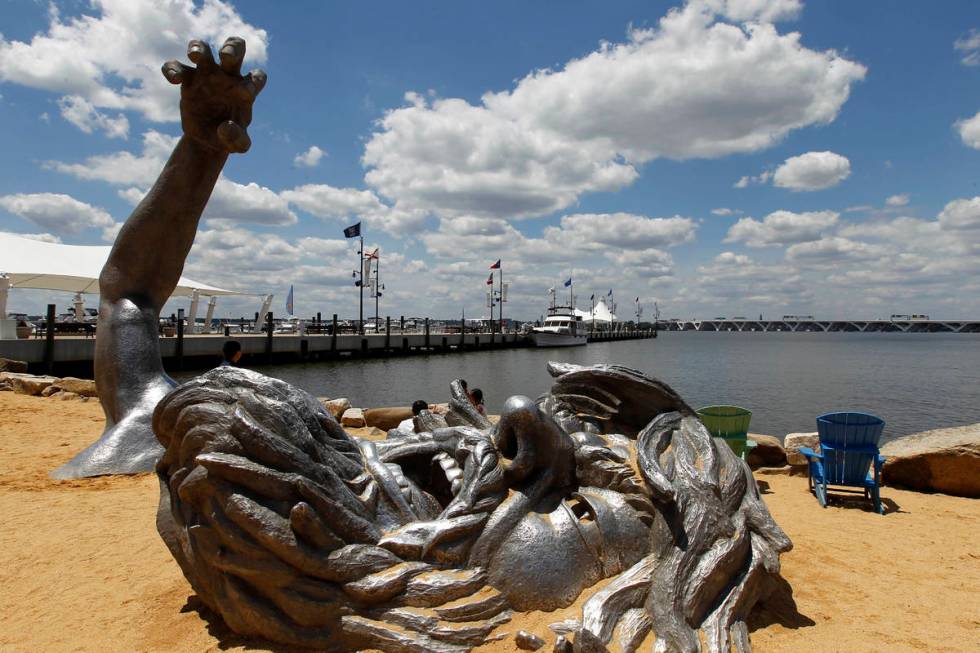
(6, 387)
(7, 365)
(562, 645)
(768, 452)
(83, 387)
(792, 443)
(336, 407)
(353, 417)
(50, 390)
(528, 641)
(942, 460)
(386, 418)
(28, 384)
(68, 396)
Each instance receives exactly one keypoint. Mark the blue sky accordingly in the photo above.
(603, 142)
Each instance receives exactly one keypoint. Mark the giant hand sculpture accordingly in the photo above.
(148, 256)
(295, 531)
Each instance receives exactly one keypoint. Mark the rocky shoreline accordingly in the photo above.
(945, 460)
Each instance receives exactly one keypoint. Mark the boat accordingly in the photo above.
(562, 328)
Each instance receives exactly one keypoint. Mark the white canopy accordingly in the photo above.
(602, 314)
(74, 268)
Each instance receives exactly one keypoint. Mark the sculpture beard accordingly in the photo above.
(295, 531)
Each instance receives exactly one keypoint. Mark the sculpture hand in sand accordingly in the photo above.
(293, 530)
(148, 255)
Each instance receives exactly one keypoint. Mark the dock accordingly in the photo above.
(75, 354)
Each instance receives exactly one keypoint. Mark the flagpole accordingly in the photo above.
(361, 312)
(500, 312)
(377, 292)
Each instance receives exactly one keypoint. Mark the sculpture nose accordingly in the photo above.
(527, 439)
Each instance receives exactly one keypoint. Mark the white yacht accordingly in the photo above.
(562, 328)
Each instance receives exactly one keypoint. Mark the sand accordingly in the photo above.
(82, 567)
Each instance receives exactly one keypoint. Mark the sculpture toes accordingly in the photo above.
(176, 72)
(233, 137)
(199, 52)
(231, 55)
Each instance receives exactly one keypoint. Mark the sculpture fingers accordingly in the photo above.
(199, 52)
(254, 82)
(231, 55)
(234, 137)
(176, 72)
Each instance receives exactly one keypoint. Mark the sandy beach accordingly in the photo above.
(83, 568)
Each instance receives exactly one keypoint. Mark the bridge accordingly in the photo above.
(810, 324)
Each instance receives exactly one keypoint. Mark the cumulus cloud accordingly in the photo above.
(724, 211)
(753, 180)
(80, 112)
(232, 202)
(961, 214)
(589, 231)
(969, 129)
(782, 228)
(969, 46)
(832, 249)
(123, 168)
(694, 86)
(812, 171)
(310, 158)
(110, 58)
(330, 202)
(902, 199)
(62, 214)
(44, 238)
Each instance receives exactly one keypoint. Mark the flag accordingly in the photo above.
(592, 298)
(374, 254)
(568, 282)
(609, 294)
(637, 300)
(495, 266)
(353, 231)
(289, 301)
(490, 280)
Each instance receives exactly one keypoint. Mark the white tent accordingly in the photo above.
(74, 268)
(602, 314)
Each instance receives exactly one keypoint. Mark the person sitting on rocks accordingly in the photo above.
(417, 407)
(231, 353)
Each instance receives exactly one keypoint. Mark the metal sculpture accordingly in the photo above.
(293, 530)
(148, 256)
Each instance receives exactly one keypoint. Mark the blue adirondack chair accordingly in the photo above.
(848, 448)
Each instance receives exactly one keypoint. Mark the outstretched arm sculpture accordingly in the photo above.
(148, 256)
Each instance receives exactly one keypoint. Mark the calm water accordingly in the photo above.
(914, 381)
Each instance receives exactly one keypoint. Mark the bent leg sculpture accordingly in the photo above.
(148, 256)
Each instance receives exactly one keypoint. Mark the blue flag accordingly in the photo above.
(592, 298)
(609, 294)
(569, 282)
(353, 231)
(289, 301)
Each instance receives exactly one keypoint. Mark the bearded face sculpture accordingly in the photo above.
(295, 531)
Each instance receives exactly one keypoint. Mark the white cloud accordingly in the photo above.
(969, 45)
(44, 238)
(757, 180)
(961, 215)
(902, 199)
(62, 214)
(812, 171)
(589, 231)
(310, 158)
(329, 202)
(724, 211)
(124, 168)
(969, 129)
(110, 58)
(832, 249)
(692, 87)
(80, 112)
(236, 203)
(782, 228)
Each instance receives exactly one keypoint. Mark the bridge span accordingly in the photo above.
(792, 325)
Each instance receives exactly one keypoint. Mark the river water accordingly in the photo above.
(914, 381)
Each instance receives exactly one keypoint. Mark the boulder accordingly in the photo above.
(354, 418)
(50, 390)
(5, 387)
(69, 396)
(83, 387)
(336, 407)
(386, 418)
(942, 460)
(794, 441)
(7, 365)
(528, 641)
(768, 452)
(27, 384)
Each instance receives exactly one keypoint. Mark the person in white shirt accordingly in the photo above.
(417, 407)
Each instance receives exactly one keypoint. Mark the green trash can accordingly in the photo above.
(730, 423)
